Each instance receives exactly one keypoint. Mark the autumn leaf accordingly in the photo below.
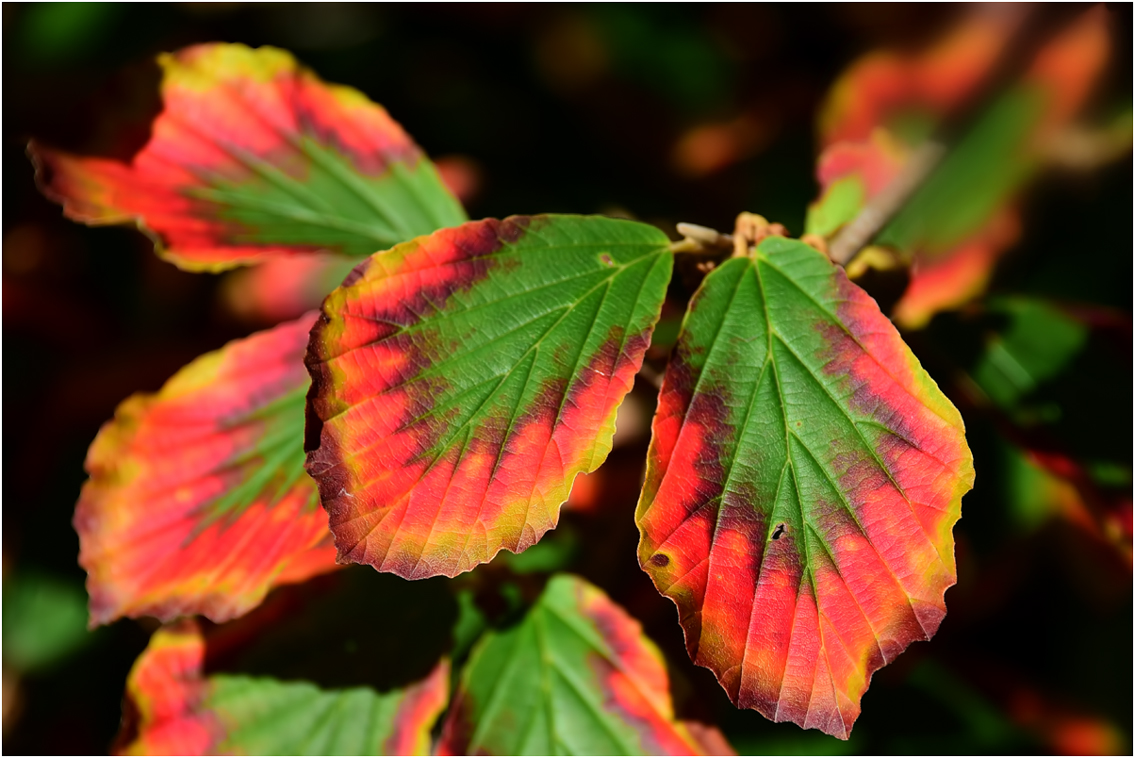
(575, 677)
(197, 500)
(959, 224)
(885, 85)
(802, 483)
(253, 157)
(906, 92)
(180, 710)
(462, 380)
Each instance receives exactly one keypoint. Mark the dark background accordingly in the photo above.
(568, 109)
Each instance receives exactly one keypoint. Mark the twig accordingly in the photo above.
(882, 208)
(651, 376)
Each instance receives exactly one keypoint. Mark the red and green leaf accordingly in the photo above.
(253, 156)
(197, 500)
(461, 381)
(893, 91)
(575, 677)
(851, 173)
(802, 484)
(958, 225)
(179, 710)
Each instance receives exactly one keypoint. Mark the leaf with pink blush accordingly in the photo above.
(197, 500)
(461, 382)
(802, 484)
(254, 157)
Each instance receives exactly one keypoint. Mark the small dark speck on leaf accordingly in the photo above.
(606, 260)
(779, 532)
(658, 559)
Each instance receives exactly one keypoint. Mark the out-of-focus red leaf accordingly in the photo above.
(1063, 730)
(945, 282)
(882, 83)
(707, 148)
(282, 288)
(253, 156)
(462, 175)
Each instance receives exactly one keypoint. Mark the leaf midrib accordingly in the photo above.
(307, 203)
(789, 434)
(835, 320)
(349, 181)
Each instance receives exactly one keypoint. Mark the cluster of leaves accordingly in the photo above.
(802, 483)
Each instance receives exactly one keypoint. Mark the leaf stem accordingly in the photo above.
(701, 240)
(882, 208)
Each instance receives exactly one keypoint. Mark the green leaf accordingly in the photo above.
(45, 620)
(461, 381)
(1038, 343)
(575, 677)
(802, 483)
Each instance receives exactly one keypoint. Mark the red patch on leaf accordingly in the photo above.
(635, 682)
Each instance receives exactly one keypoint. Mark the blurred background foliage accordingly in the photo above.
(667, 113)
